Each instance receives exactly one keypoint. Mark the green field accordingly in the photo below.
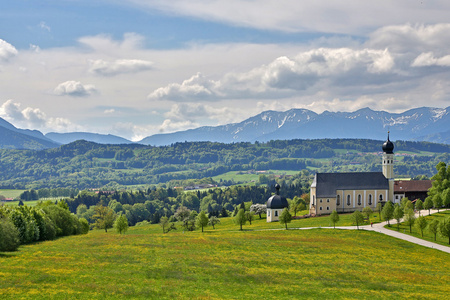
(426, 234)
(226, 264)
(250, 178)
(11, 193)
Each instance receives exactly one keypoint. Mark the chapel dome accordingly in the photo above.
(388, 146)
(276, 201)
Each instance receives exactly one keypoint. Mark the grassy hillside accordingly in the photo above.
(225, 264)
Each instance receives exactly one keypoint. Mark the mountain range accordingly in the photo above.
(419, 124)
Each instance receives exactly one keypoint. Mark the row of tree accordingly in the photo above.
(46, 221)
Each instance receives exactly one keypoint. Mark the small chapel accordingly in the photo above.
(347, 192)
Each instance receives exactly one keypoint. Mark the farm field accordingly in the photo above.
(9, 193)
(225, 264)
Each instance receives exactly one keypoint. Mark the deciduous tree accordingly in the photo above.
(285, 217)
(398, 215)
(409, 218)
(444, 228)
(428, 204)
(421, 224)
(419, 205)
(357, 218)
(334, 218)
(121, 224)
(202, 220)
(104, 217)
(240, 218)
(433, 227)
(213, 221)
(388, 211)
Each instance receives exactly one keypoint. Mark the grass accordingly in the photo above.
(428, 236)
(250, 178)
(8, 193)
(225, 264)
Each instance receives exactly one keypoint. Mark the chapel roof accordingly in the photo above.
(405, 186)
(276, 201)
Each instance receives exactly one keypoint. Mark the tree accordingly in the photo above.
(421, 224)
(409, 218)
(202, 220)
(437, 201)
(367, 212)
(240, 218)
(433, 227)
(121, 224)
(285, 217)
(182, 213)
(9, 235)
(104, 217)
(379, 208)
(213, 220)
(406, 203)
(444, 228)
(249, 216)
(388, 212)
(428, 204)
(419, 205)
(258, 209)
(357, 218)
(84, 225)
(334, 218)
(398, 215)
(166, 225)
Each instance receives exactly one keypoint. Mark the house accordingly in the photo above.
(411, 189)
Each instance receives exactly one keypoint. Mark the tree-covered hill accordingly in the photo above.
(84, 164)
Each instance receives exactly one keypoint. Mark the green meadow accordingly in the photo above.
(226, 263)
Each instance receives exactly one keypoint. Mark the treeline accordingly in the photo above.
(46, 221)
(84, 164)
(152, 204)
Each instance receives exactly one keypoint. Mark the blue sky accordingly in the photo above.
(139, 67)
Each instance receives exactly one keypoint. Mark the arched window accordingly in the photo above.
(359, 199)
(276, 213)
(268, 212)
(381, 197)
(338, 200)
(314, 198)
(370, 199)
(348, 199)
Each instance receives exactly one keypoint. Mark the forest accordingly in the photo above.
(84, 165)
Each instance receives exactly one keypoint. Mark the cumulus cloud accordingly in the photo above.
(284, 76)
(112, 68)
(428, 59)
(34, 118)
(7, 51)
(74, 88)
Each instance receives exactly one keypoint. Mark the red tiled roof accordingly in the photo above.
(412, 185)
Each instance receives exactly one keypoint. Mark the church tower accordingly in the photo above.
(388, 165)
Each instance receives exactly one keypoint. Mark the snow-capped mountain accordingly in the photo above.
(421, 124)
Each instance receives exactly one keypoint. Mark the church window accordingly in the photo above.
(328, 208)
(268, 213)
(359, 199)
(370, 199)
(314, 198)
(348, 199)
(320, 208)
(276, 213)
(338, 200)
(381, 197)
(320, 200)
(328, 200)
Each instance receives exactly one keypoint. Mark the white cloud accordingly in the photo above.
(111, 68)
(44, 26)
(345, 16)
(7, 51)
(109, 111)
(34, 118)
(74, 88)
(428, 59)
(284, 76)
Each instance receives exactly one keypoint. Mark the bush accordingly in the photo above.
(84, 226)
(9, 235)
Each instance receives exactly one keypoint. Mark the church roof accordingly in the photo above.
(328, 183)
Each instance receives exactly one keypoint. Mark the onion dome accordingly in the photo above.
(388, 146)
(276, 201)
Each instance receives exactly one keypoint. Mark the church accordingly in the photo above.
(347, 192)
